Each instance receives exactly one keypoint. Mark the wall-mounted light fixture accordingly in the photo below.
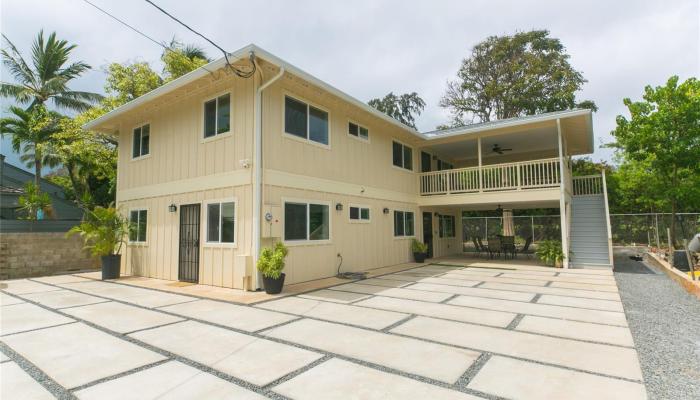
(339, 207)
(172, 208)
(437, 214)
(385, 210)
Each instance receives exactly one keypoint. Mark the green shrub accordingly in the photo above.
(34, 200)
(103, 230)
(550, 252)
(418, 247)
(271, 260)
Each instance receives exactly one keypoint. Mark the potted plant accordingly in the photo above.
(550, 252)
(270, 264)
(420, 250)
(103, 230)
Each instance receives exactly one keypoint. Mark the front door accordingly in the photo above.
(188, 267)
(428, 232)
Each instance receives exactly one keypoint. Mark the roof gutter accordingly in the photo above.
(258, 170)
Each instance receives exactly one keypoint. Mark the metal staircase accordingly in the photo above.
(590, 241)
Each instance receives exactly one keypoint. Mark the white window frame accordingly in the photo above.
(359, 126)
(204, 139)
(308, 104)
(442, 226)
(403, 161)
(205, 226)
(307, 241)
(360, 220)
(393, 227)
(150, 142)
(148, 218)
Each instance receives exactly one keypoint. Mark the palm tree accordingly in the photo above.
(46, 78)
(31, 132)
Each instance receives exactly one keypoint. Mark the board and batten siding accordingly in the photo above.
(347, 159)
(158, 257)
(184, 168)
(178, 150)
(362, 245)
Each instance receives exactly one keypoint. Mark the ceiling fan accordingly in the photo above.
(498, 149)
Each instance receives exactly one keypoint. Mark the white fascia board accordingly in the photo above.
(508, 123)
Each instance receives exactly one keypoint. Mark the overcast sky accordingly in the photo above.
(369, 48)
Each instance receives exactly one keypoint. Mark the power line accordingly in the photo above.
(237, 71)
(167, 48)
(129, 26)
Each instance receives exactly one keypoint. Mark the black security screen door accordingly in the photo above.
(428, 232)
(188, 270)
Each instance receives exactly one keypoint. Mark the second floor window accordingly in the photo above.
(141, 141)
(138, 221)
(358, 131)
(403, 223)
(446, 226)
(217, 116)
(305, 121)
(402, 156)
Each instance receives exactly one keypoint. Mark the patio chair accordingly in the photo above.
(494, 247)
(508, 246)
(477, 248)
(482, 248)
(526, 247)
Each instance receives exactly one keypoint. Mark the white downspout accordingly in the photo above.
(258, 172)
(562, 199)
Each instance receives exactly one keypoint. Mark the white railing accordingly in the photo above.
(587, 185)
(497, 177)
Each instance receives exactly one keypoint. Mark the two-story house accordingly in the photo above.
(218, 163)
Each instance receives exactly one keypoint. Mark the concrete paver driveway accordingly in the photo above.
(451, 330)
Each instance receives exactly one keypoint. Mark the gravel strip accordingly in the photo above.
(665, 324)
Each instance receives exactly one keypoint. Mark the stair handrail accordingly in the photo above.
(607, 217)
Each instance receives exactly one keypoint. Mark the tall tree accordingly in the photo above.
(181, 58)
(404, 108)
(511, 76)
(31, 132)
(126, 82)
(47, 77)
(663, 136)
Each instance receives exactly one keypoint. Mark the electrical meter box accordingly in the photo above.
(272, 221)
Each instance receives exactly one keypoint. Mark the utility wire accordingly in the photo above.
(167, 48)
(237, 71)
(129, 26)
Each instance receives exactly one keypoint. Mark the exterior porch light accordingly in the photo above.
(172, 208)
(385, 210)
(339, 207)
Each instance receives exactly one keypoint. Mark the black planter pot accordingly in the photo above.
(110, 266)
(419, 257)
(273, 286)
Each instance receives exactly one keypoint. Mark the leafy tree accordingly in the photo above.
(404, 108)
(31, 132)
(47, 77)
(511, 76)
(126, 82)
(662, 139)
(33, 201)
(181, 59)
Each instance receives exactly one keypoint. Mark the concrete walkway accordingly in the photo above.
(452, 330)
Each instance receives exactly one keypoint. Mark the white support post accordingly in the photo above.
(562, 200)
(481, 178)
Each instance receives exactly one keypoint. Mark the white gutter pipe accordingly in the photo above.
(258, 171)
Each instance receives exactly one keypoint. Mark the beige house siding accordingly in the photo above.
(363, 245)
(178, 150)
(220, 265)
(347, 158)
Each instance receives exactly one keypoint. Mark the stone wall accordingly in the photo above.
(25, 255)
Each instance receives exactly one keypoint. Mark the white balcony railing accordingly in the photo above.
(488, 178)
(587, 185)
